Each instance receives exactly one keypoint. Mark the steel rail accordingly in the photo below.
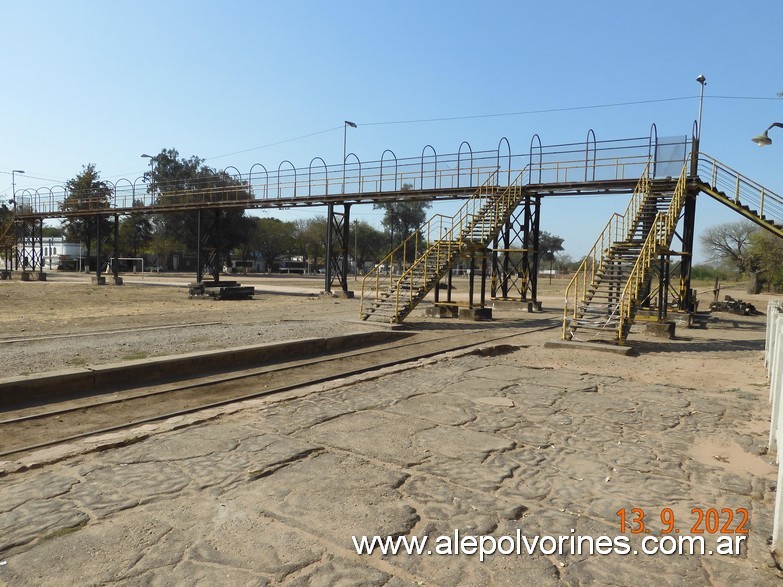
(267, 392)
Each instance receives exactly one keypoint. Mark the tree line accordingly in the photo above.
(748, 251)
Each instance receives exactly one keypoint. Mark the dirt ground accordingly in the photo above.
(68, 322)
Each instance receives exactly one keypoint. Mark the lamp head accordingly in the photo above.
(763, 139)
(351, 124)
(701, 79)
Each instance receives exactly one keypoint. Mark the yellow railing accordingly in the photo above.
(658, 239)
(424, 254)
(619, 228)
(6, 232)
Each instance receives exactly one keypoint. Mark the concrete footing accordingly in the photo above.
(527, 305)
(32, 276)
(338, 293)
(442, 311)
(98, 280)
(5, 274)
(589, 346)
(660, 329)
(475, 313)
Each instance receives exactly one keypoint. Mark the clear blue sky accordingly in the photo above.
(104, 81)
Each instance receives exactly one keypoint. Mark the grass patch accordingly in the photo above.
(135, 356)
(77, 361)
(65, 531)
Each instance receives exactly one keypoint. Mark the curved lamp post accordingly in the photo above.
(763, 139)
(152, 173)
(13, 185)
(345, 149)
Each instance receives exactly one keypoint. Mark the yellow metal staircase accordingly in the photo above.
(602, 298)
(7, 237)
(401, 280)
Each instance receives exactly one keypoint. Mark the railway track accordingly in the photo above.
(32, 428)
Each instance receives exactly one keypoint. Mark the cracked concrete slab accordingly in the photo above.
(272, 493)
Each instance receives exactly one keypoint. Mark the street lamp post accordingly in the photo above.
(703, 81)
(345, 146)
(697, 132)
(13, 198)
(152, 173)
(763, 139)
(13, 185)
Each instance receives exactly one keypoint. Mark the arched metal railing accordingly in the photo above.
(462, 171)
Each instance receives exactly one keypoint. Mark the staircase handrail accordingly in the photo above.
(6, 228)
(438, 224)
(741, 190)
(658, 239)
(443, 247)
(620, 227)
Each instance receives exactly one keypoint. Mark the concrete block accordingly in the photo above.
(98, 280)
(26, 389)
(475, 313)
(660, 329)
(589, 346)
(442, 311)
(25, 276)
(529, 305)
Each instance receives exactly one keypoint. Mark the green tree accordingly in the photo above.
(136, 231)
(276, 238)
(402, 218)
(731, 243)
(251, 242)
(310, 239)
(768, 247)
(370, 243)
(178, 182)
(86, 192)
(52, 231)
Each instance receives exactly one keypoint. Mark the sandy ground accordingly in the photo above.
(547, 438)
(68, 322)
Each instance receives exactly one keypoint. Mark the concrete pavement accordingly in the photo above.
(272, 491)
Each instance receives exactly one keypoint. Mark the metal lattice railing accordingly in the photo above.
(619, 228)
(658, 239)
(420, 260)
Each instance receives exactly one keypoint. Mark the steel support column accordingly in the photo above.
(208, 250)
(515, 262)
(115, 263)
(338, 227)
(98, 249)
(28, 253)
(534, 227)
(686, 301)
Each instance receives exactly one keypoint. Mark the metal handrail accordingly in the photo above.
(658, 239)
(443, 237)
(740, 190)
(485, 203)
(372, 178)
(620, 227)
